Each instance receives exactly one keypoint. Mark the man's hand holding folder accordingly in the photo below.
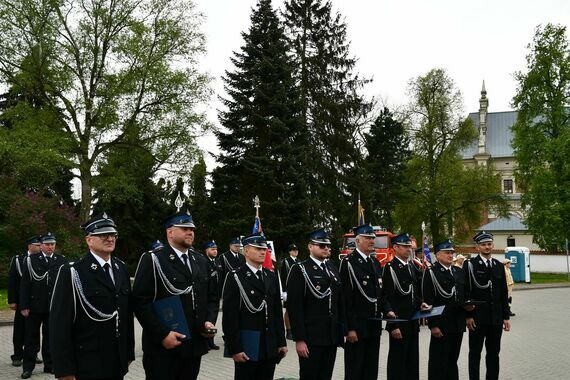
(173, 339)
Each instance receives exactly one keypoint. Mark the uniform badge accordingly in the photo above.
(248, 274)
(380, 282)
(441, 269)
(93, 266)
(314, 267)
(171, 257)
(360, 261)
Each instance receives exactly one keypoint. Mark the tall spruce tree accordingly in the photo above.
(262, 140)
(332, 109)
(388, 146)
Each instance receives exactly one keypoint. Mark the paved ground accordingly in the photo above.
(536, 348)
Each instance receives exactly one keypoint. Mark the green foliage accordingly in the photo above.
(542, 136)
(262, 142)
(388, 149)
(333, 110)
(438, 189)
(111, 69)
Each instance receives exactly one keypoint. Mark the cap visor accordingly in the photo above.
(366, 235)
(104, 230)
(321, 241)
(264, 246)
(186, 225)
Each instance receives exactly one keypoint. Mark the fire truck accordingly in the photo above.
(382, 245)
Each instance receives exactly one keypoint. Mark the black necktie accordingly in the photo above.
(107, 269)
(324, 268)
(259, 275)
(186, 262)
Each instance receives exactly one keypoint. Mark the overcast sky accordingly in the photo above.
(400, 39)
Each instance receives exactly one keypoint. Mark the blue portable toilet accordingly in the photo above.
(520, 263)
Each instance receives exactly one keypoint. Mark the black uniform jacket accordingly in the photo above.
(148, 284)
(227, 262)
(284, 270)
(311, 320)
(215, 271)
(36, 295)
(453, 318)
(237, 317)
(79, 345)
(496, 309)
(359, 310)
(403, 305)
(15, 277)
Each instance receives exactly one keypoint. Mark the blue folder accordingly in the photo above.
(433, 312)
(250, 341)
(170, 312)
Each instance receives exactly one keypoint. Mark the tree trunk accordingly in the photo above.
(86, 191)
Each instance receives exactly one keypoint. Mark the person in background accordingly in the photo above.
(14, 278)
(458, 260)
(510, 283)
(284, 270)
(211, 252)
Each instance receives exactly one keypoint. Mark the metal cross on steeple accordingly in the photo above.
(256, 205)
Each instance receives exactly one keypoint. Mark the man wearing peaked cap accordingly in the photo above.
(401, 281)
(486, 281)
(156, 245)
(444, 285)
(91, 317)
(211, 253)
(252, 310)
(181, 272)
(284, 270)
(230, 260)
(38, 277)
(316, 309)
(365, 305)
(14, 279)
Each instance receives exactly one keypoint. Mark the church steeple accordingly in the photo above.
(483, 106)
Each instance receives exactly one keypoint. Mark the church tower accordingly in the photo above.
(482, 155)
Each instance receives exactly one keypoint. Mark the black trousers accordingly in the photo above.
(32, 341)
(404, 356)
(361, 359)
(443, 356)
(18, 335)
(261, 370)
(171, 367)
(490, 335)
(320, 363)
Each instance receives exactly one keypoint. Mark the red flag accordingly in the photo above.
(257, 229)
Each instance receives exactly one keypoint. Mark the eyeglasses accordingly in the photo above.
(322, 245)
(108, 236)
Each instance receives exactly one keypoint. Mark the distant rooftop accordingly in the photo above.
(511, 223)
(499, 134)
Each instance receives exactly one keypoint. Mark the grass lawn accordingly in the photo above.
(4, 299)
(547, 278)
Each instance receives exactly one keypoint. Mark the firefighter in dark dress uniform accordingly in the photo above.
(252, 310)
(284, 270)
(316, 310)
(365, 305)
(175, 270)
(14, 279)
(211, 253)
(91, 320)
(38, 278)
(444, 285)
(486, 281)
(230, 260)
(402, 286)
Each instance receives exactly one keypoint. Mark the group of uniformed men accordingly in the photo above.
(86, 307)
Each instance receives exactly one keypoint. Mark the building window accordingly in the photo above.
(508, 186)
(511, 241)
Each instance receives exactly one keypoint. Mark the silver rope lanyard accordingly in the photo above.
(473, 279)
(247, 302)
(77, 288)
(228, 265)
(439, 289)
(354, 280)
(157, 268)
(399, 287)
(18, 267)
(314, 291)
(33, 274)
